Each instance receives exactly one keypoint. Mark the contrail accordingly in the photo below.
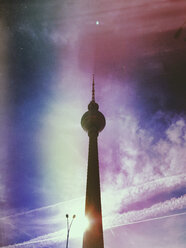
(147, 220)
(39, 209)
(19, 229)
(75, 199)
(31, 242)
(60, 239)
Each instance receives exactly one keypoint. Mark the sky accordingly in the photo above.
(48, 53)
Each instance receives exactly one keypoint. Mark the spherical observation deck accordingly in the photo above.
(93, 119)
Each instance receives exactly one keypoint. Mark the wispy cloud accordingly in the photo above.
(136, 157)
(60, 236)
(155, 210)
(123, 197)
(144, 183)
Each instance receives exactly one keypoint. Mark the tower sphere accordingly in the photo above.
(93, 119)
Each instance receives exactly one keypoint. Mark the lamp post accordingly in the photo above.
(69, 227)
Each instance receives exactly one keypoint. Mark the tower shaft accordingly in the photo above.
(93, 237)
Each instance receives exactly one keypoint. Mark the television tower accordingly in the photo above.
(93, 122)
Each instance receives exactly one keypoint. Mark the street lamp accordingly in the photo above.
(69, 226)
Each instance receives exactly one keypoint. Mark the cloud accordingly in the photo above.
(139, 170)
(144, 170)
(155, 210)
(135, 157)
(54, 214)
(41, 241)
(145, 215)
(176, 132)
(118, 199)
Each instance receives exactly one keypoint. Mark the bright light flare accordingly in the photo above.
(80, 225)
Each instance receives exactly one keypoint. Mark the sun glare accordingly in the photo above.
(80, 225)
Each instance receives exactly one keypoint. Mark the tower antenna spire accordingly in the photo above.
(93, 90)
